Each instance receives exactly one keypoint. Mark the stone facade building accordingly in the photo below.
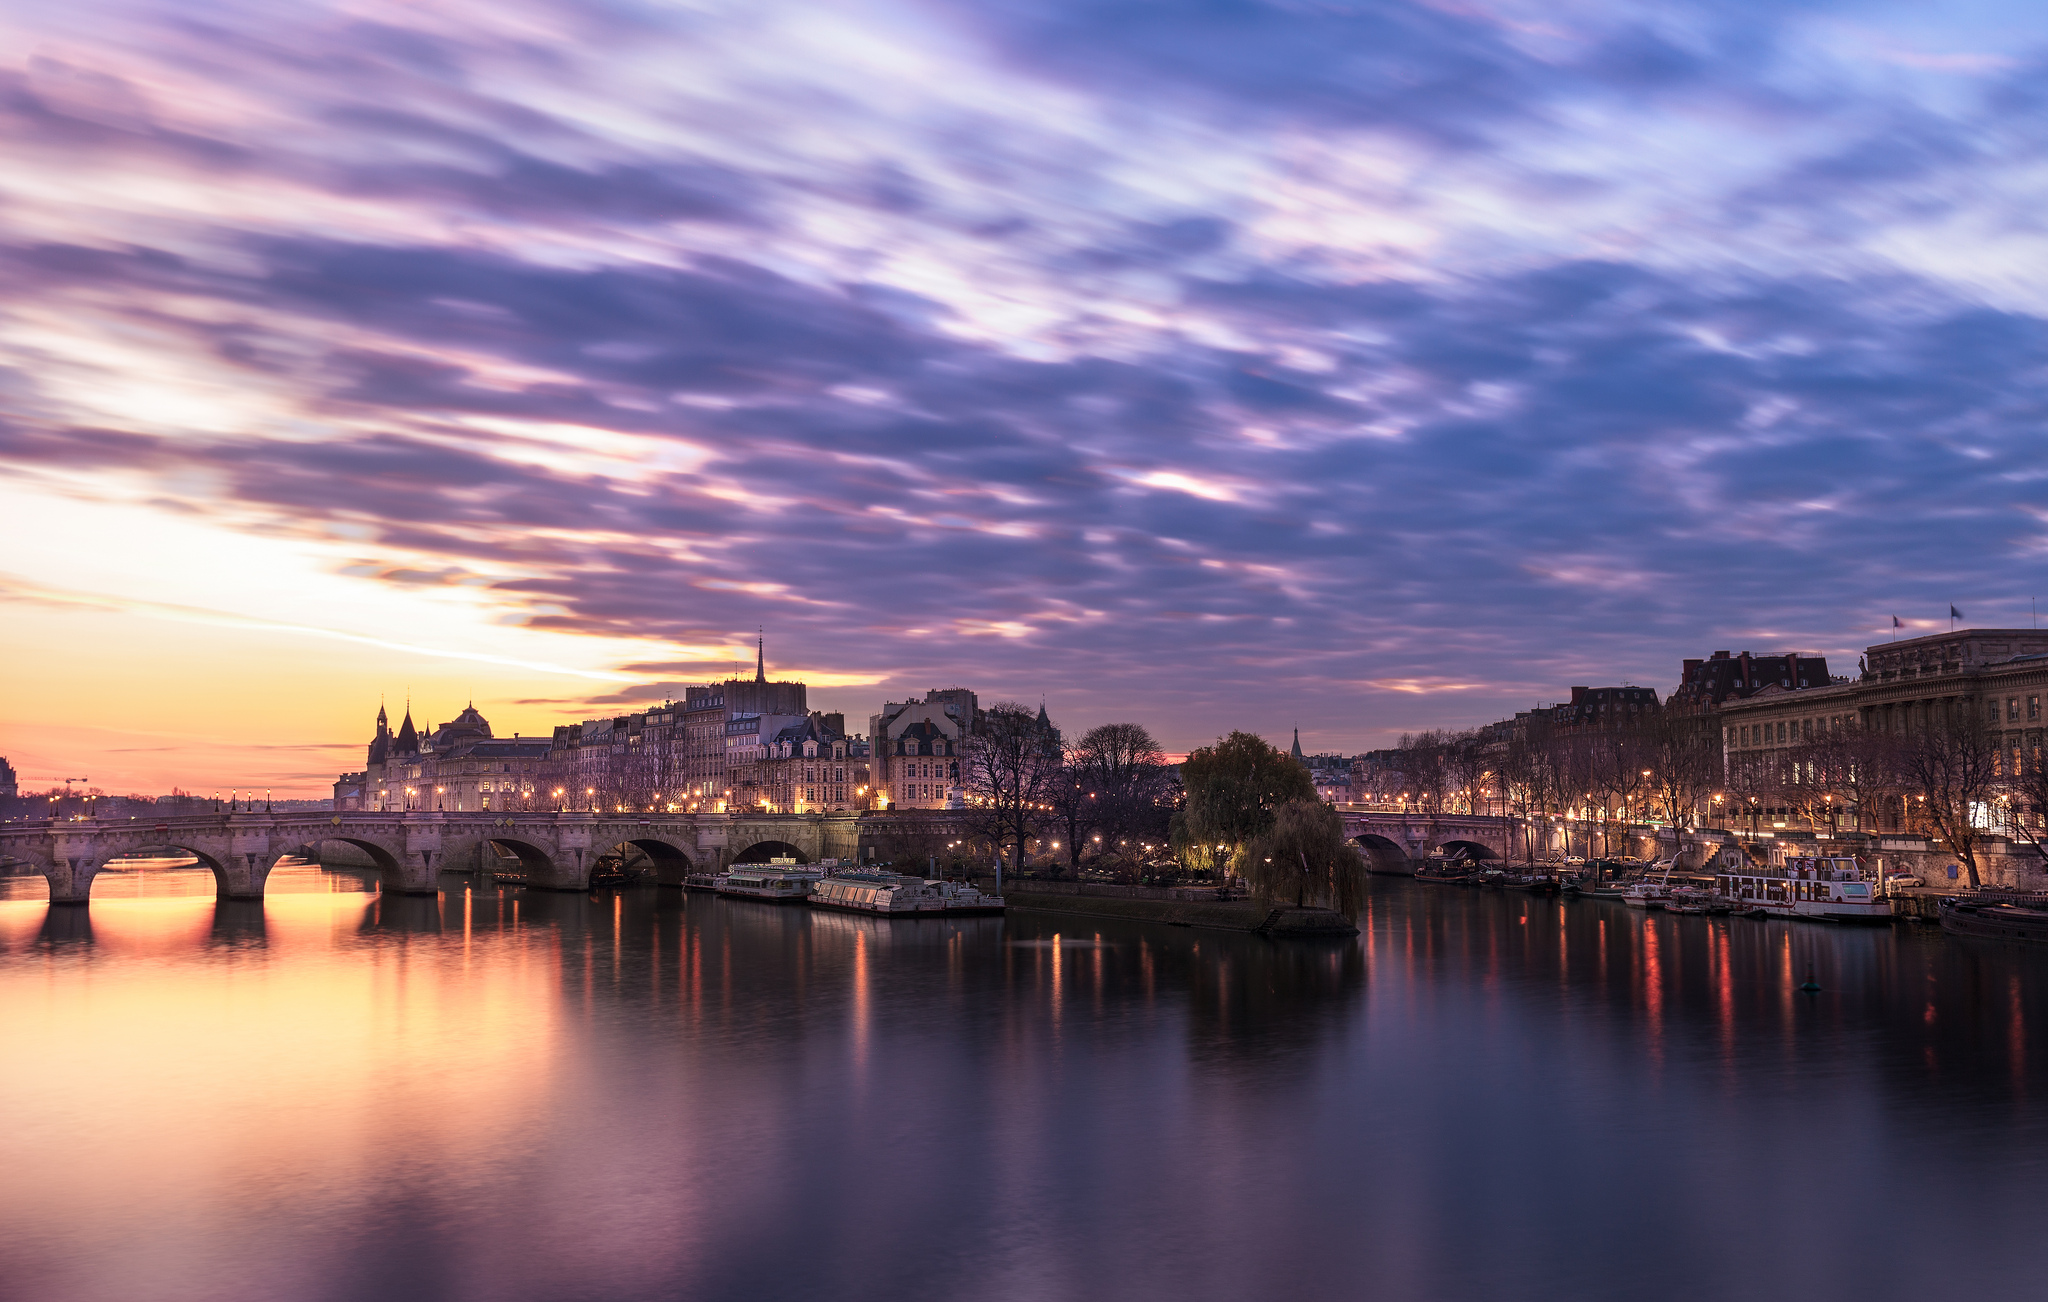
(811, 765)
(917, 746)
(1999, 674)
(458, 766)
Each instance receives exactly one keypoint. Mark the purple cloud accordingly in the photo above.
(1217, 366)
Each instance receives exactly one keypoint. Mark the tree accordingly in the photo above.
(1303, 854)
(1685, 764)
(1441, 767)
(1010, 771)
(1951, 764)
(1619, 768)
(2027, 786)
(1530, 779)
(1233, 788)
(1130, 788)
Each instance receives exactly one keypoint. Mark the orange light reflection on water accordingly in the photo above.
(214, 1075)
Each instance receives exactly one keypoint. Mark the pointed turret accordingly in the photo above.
(760, 659)
(380, 744)
(407, 742)
(1295, 753)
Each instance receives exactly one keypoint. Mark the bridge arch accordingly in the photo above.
(1463, 848)
(1383, 856)
(71, 881)
(381, 857)
(763, 851)
(671, 863)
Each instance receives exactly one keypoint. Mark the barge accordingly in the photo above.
(893, 895)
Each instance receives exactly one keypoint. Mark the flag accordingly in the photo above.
(1896, 623)
(1953, 613)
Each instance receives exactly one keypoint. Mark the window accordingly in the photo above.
(2033, 708)
(1781, 732)
(1994, 713)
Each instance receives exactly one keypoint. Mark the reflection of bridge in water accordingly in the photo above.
(558, 851)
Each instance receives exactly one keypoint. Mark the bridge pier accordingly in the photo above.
(71, 883)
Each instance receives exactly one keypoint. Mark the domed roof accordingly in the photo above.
(467, 724)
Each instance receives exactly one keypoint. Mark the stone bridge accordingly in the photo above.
(407, 850)
(1398, 843)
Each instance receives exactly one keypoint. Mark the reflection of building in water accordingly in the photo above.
(458, 766)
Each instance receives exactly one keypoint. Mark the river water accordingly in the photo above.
(495, 1095)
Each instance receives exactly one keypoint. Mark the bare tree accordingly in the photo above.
(1441, 768)
(1951, 765)
(1131, 787)
(1870, 774)
(1011, 769)
(1685, 764)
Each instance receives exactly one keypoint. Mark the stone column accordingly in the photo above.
(74, 861)
(71, 879)
(245, 869)
(414, 874)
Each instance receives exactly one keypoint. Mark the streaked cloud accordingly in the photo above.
(1217, 366)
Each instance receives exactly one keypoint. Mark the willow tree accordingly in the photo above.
(1303, 854)
(1232, 790)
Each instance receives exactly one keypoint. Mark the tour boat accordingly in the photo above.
(894, 895)
(1993, 920)
(773, 885)
(1825, 889)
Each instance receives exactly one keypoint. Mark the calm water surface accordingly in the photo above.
(339, 1095)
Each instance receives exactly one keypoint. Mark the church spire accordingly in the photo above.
(760, 657)
(1295, 753)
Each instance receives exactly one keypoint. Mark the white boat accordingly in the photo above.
(774, 885)
(1646, 895)
(897, 896)
(1826, 889)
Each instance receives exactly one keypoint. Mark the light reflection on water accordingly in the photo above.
(338, 1094)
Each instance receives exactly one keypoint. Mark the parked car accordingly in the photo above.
(1901, 879)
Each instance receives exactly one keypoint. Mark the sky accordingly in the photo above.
(1356, 367)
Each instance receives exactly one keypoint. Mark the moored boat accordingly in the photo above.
(894, 895)
(1820, 888)
(770, 885)
(1992, 920)
(1644, 895)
